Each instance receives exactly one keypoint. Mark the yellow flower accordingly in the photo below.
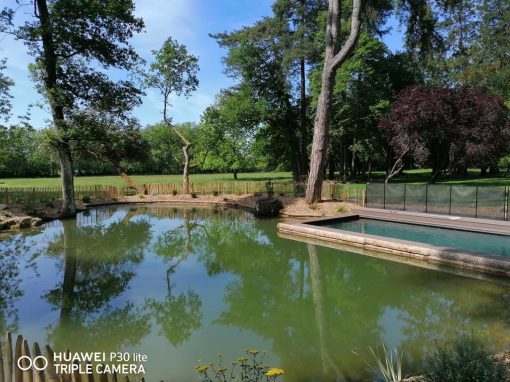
(202, 368)
(242, 359)
(274, 372)
(253, 351)
(222, 370)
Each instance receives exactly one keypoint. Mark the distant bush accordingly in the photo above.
(193, 194)
(215, 193)
(86, 199)
(174, 192)
(464, 359)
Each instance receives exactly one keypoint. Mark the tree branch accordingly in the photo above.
(349, 45)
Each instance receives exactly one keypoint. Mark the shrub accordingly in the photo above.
(86, 199)
(193, 194)
(174, 192)
(215, 193)
(464, 359)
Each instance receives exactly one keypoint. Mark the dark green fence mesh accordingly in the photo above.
(480, 202)
(463, 201)
(491, 202)
(438, 199)
(416, 198)
(395, 194)
(375, 195)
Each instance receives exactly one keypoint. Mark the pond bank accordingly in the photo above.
(18, 216)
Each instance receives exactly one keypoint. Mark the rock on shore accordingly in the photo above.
(17, 222)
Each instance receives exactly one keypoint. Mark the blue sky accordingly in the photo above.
(187, 21)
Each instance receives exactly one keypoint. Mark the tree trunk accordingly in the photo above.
(345, 156)
(50, 85)
(185, 148)
(331, 169)
(317, 157)
(303, 122)
(67, 181)
(235, 174)
(185, 172)
(332, 62)
(353, 160)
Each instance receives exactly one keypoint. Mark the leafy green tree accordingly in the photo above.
(491, 63)
(5, 97)
(66, 38)
(232, 125)
(25, 152)
(270, 59)
(365, 86)
(103, 138)
(165, 146)
(174, 70)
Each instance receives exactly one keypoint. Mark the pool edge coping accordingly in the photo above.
(474, 261)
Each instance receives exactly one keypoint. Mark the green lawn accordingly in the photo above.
(423, 175)
(117, 181)
(409, 176)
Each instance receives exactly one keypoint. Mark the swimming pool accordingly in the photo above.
(428, 240)
(491, 244)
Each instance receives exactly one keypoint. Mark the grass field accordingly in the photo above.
(115, 180)
(423, 175)
(410, 176)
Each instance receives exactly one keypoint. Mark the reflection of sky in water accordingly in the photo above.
(254, 289)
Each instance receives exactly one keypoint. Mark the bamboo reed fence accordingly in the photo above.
(19, 364)
(32, 195)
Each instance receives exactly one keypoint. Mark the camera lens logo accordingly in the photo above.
(26, 363)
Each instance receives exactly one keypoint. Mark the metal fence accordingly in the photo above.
(476, 202)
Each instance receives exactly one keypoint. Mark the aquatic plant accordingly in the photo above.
(248, 368)
(388, 365)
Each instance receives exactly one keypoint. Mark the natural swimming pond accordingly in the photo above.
(182, 285)
(469, 241)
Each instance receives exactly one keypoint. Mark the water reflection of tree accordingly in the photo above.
(178, 315)
(318, 305)
(16, 258)
(97, 263)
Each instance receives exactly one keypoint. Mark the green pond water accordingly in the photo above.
(469, 241)
(183, 285)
